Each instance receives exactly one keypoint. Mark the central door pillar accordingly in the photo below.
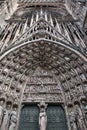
(42, 117)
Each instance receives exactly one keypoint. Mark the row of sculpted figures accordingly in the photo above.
(78, 119)
(8, 116)
(75, 117)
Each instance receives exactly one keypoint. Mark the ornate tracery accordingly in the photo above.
(43, 58)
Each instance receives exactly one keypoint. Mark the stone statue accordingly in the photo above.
(79, 118)
(73, 121)
(42, 116)
(13, 119)
(1, 111)
(84, 104)
(6, 117)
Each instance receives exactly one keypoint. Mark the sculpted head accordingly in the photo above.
(42, 109)
(15, 107)
(2, 101)
(42, 106)
(8, 106)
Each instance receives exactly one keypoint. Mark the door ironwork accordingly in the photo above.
(56, 119)
(29, 118)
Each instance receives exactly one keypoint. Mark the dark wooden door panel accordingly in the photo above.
(29, 118)
(56, 119)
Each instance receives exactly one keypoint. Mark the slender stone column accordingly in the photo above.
(67, 116)
(17, 33)
(46, 16)
(1, 110)
(7, 40)
(32, 19)
(25, 25)
(66, 33)
(57, 25)
(37, 16)
(51, 20)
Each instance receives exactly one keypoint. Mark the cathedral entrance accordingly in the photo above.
(56, 119)
(29, 118)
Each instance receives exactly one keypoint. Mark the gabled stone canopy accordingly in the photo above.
(42, 30)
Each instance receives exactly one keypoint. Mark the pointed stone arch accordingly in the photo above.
(20, 63)
(42, 31)
(54, 59)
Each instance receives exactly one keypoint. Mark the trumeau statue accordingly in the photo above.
(42, 116)
(13, 119)
(1, 110)
(6, 118)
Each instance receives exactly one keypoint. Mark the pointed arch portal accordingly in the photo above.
(29, 118)
(43, 57)
(43, 71)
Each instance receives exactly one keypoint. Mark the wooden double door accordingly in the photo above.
(29, 118)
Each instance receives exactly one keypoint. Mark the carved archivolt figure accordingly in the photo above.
(73, 121)
(42, 117)
(13, 119)
(84, 104)
(1, 110)
(6, 118)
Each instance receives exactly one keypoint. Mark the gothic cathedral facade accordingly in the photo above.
(43, 64)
